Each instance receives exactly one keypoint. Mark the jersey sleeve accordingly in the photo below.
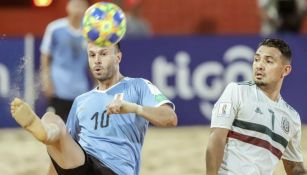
(225, 109)
(293, 151)
(151, 95)
(72, 122)
(46, 41)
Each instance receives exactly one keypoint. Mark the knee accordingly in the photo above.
(50, 117)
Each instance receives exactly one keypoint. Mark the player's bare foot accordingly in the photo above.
(27, 119)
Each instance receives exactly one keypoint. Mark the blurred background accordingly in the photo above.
(189, 49)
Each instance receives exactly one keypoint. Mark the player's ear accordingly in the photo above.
(119, 57)
(286, 70)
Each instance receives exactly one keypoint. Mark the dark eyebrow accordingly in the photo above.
(100, 50)
(270, 57)
(266, 56)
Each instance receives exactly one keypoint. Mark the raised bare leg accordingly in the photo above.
(52, 131)
(26, 118)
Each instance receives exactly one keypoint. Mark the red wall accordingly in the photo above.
(202, 16)
(19, 21)
(165, 16)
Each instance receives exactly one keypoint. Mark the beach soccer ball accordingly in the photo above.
(104, 24)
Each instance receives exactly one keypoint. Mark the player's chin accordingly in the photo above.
(97, 77)
(259, 82)
(101, 78)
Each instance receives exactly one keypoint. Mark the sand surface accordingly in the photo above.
(176, 151)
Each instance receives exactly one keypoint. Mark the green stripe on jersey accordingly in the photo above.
(262, 129)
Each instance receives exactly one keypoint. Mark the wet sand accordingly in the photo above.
(175, 151)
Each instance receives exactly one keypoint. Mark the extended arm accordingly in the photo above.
(215, 150)
(47, 86)
(163, 115)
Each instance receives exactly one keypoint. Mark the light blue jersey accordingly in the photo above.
(69, 65)
(116, 140)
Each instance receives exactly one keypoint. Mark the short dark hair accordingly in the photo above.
(118, 46)
(279, 44)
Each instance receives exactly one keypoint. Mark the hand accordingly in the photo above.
(120, 106)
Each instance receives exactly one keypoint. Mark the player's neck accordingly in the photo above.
(271, 91)
(106, 84)
(74, 22)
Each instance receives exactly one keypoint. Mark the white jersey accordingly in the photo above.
(261, 131)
